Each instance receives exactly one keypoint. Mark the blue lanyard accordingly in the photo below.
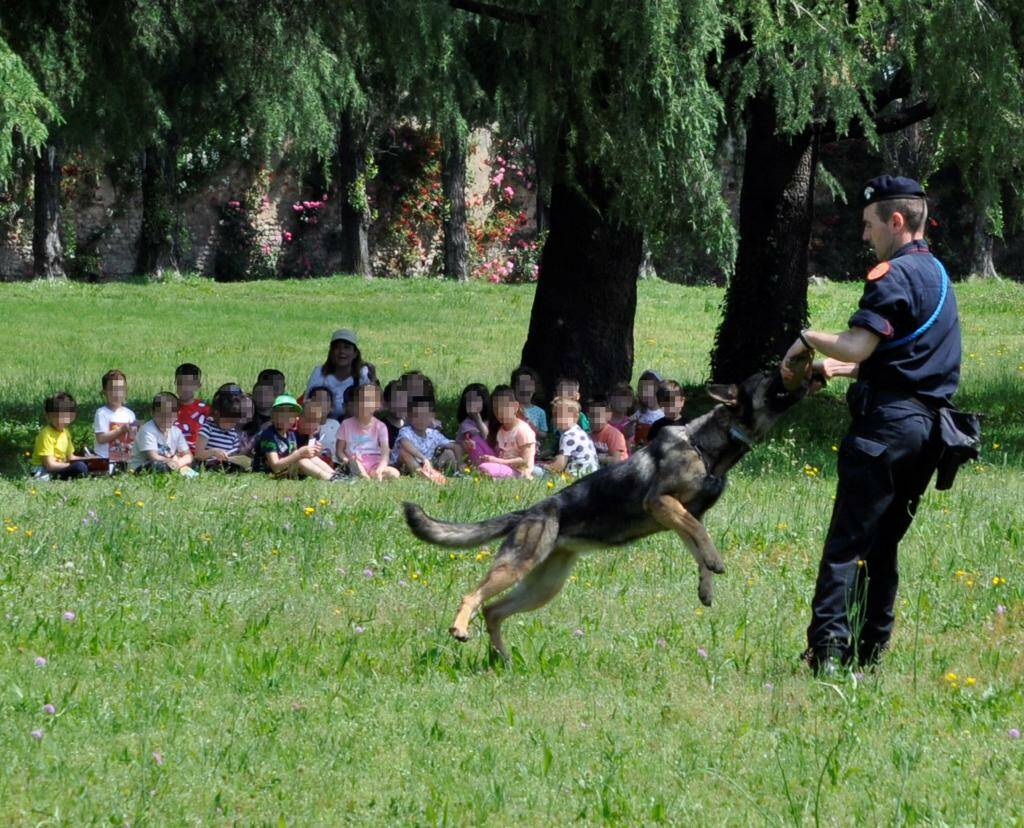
(886, 346)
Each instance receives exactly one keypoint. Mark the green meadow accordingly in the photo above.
(249, 651)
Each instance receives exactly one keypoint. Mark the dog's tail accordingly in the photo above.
(457, 535)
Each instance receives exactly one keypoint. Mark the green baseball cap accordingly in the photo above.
(286, 401)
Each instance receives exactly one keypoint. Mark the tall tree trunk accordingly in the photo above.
(983, 241)
(453, 185)
(581, 324)
(158, 242)
(47, 250)
(355, 214)
(766, 300)
(539, 179)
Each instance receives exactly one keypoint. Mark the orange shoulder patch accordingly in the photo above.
(878, 271)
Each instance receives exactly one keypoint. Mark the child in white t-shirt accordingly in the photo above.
(423, 449)
(114, 425)
(160, 444)
(576, 453)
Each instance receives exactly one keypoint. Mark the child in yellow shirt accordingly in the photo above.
(53, 455)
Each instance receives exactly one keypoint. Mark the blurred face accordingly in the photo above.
(115, 392)
(505, 409)
(187, 385)
(277, 384)
(284, 419)
(525, 389)
(310, 420)
(400, 403)
(164, 415)
(621, 403)
(421, 416)
(61, 418)
(883, 236)
(474, 403)
(674, 407)
(367, 403)
(565, 416)
(342, 353)
(228, 423)
(263, 398)
(248, 409)
(414, 385)
(599, 416)
(322, 397)
(647, 390)
(567, 389)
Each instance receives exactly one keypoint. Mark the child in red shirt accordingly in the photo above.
(192, 411)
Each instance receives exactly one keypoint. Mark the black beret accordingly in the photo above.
(887, 187)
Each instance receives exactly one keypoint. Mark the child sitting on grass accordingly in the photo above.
(327, 433)
(192, 411)
(621, 402)
(277, 451)
(672, 399)
(160, 446)
(394, 413)
(53, 454)
(515, 440)
(649, 412)
(474, 422)
(609, 442)
(576, 454)
(362, 441)
(526, 383)
(219, 444)
(114, 424)
(422, 448)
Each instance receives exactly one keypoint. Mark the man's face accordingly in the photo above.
(599, 415)
(881, 235)
(115, 392)
(187, 385)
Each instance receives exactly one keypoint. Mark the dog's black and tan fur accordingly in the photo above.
(665, 486)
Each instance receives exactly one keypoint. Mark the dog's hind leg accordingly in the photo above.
(671, 514)
(529, 544)
(705, 585)
(542, 584)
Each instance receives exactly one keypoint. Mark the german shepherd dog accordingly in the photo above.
(667, 485)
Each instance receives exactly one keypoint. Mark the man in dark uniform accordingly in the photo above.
(903, 348)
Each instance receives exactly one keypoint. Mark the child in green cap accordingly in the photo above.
(276, 450)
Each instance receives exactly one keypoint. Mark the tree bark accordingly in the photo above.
(47, 250)
(766, 300)
(581, 325)
(983, 243)
(158, 242)
(355, 217)
(453, 184)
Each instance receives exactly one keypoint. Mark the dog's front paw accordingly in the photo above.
(715, 563)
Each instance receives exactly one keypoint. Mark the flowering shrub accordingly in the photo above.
(242, 252)
(503, 247)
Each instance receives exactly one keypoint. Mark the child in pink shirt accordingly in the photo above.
(363, 439)
(516, 442)
(474, 422)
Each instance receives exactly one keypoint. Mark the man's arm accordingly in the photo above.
(845, 352)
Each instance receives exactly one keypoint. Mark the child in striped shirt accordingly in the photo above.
(218, 444)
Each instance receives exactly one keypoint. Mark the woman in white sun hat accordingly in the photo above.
(344, 367)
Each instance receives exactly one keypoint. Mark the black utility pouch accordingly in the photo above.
(959, 440)
(858, 399)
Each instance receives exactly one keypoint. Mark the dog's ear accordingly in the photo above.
(728, 394)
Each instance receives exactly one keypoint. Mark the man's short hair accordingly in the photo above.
(913, 210)
(188, 369)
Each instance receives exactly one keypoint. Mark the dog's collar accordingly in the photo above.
(740, 436)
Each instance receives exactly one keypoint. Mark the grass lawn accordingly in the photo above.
(249, 651)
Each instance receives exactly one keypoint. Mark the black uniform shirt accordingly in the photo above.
(899, 297)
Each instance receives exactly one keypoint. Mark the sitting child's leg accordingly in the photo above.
(315, 467)
(76, 469)
(496, 470)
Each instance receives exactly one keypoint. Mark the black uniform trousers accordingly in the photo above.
(885, 463)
